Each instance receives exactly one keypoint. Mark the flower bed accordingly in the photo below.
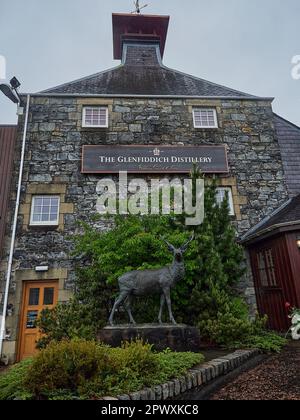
(82, 369)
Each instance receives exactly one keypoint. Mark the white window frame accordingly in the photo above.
(94, 126)
(48, 222)
(230, 197)
(216, 125)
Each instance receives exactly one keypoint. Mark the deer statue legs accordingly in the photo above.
(162, 303)
(168, 300)
(128, 302)
(122, 296)
(165, 297)
(127, 299)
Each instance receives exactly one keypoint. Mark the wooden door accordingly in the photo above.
(36, 297)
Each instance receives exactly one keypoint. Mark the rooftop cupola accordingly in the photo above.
(139, 41)
(133, 34)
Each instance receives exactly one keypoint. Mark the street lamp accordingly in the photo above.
(7, 90)
(11, 92)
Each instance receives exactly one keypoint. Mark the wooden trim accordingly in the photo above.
(83, 122)
(21, 321)
(23, 311)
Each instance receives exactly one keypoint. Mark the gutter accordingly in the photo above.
(252, 231)
(14, 229)
(87, 95)
(269, 230)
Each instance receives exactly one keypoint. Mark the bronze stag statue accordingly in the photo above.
(149, 282)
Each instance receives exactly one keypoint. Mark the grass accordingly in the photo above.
(12, 382)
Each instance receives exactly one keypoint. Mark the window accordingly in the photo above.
(205, 118)
(48, 295)
(32, 317)
(45, 211)
(95, 116)
(34, 296)
(266, 268)
(221, 194)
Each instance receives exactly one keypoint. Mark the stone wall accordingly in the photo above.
(53, 153)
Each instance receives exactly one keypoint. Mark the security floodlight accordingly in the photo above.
(15, 84)
(11, 91)
(7, 90)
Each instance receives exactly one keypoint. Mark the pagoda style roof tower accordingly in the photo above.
(139, 42)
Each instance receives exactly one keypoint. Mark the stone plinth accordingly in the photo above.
(175, 337)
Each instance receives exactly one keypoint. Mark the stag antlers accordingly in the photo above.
(183, 248)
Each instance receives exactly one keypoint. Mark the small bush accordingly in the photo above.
(267, 342)
(12, 384)
(234, 332)
(129, 368)
(226, 329)
(176, 364)
(135, 366)
(67, 365)
(67, 321)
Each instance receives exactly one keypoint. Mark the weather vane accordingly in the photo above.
(138, 8)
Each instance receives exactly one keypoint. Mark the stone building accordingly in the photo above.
(142, 103)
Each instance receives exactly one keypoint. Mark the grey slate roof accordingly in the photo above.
(142, 73)
(289, 213)
(289, 141)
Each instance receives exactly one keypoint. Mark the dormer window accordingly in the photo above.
(95, 117)
(205, 118)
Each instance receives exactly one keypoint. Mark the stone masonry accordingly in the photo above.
(53, 162)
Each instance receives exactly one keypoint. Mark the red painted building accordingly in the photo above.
(274, 247)
(7, 145)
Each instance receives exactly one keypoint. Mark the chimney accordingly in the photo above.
(138, 29)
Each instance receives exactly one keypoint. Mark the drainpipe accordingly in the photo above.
(14, 228)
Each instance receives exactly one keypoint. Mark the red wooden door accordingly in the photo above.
(271, 268)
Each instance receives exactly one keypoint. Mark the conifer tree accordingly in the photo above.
(231, 253)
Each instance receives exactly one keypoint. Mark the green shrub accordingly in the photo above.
(67, 365)
(85, 369)
(66, 321)
(235, 332)
(265, 341)
(136, 356)
(176, 364)
(226, 329)
(135, 366)
(129, 368)
(12, 382)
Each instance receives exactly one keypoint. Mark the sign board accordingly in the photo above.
(153, 159)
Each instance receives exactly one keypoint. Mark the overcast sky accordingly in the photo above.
(244, 44)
